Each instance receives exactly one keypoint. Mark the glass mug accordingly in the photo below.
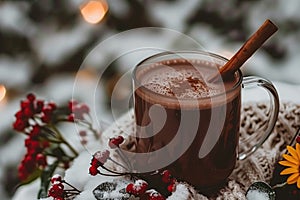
(188, 125)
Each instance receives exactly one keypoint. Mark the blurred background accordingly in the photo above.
(45, 47)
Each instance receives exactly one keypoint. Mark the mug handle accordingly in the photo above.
(250, 82)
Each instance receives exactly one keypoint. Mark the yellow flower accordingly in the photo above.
(292, 161)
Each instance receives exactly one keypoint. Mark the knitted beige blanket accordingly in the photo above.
(260, 165)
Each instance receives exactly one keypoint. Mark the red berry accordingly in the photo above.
(52, 105)
(41, 160)
(47, 110)
(45, 144)
(298, 139)
(101, 156)
(36, 129)
(33, 146)
(84, 108)
(31, 97)
(19, 115)
(28, 112)
(56, 191)
(93, 170)
(39, 106)
(129, 188)
(20, 125)
(78, 109)
(71, 117)
(95, 162)
(166, 176)
(29, 163)
(72, 104)
(66, 165)
(25, 104)
(56, 178)
(23, 172)
(82, 133)
(138, 188)
(115, 142)
(172, 187)
(46, 118)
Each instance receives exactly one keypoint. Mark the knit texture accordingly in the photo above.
(260, 165)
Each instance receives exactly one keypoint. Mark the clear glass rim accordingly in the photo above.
(198, 52)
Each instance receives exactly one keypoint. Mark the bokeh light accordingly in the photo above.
(94, 11)
(2, 92)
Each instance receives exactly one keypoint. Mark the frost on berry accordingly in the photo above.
(98, 159)
(56, 190)
(102, 156)
(78, 110)
(137, 188)
(41, 160)
(56, 178)
(154, 195)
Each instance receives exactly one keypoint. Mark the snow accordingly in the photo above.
(132, 46)
(257, 195)
(78, 174)
(52, 45)
(172, 15)
(119, 8)
(14, 72)
(181, 192)
(288, 9)
(12, 18)
(27, 191)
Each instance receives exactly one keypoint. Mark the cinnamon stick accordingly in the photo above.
(247, 50)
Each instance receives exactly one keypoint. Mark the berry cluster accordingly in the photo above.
(100, 158)
(34, 158)
(162, 182)
(140, 188)
(137, 188)
(31, 108)
(58, 190)
(169, 180)
(77, 110)
(46, 147)
(31, 120)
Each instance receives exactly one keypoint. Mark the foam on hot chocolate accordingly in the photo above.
(181, 79)
(180, 82)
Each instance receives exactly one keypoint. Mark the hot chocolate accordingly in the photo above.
(179, 87)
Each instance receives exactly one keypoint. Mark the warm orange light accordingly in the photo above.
(2, 92)
(94, 11)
